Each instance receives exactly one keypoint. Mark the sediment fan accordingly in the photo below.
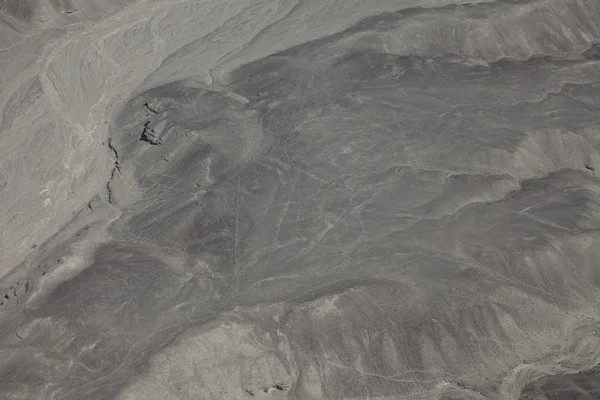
(299, 199)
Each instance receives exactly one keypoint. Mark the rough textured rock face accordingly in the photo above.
(300, 200)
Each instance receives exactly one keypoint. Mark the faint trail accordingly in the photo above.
(237, 229)
(130, 354)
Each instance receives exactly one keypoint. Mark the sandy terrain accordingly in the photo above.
(300, 199)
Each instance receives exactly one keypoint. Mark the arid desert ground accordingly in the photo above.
(299, 199)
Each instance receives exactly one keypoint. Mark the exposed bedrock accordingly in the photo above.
(406, 208)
